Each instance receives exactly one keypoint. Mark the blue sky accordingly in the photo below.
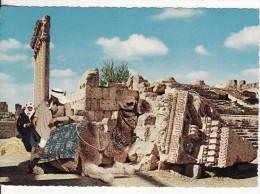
(214, 45)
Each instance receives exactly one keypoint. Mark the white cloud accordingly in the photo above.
(62, 73)
(65, 79)
(66, 84)
(16, 93)
(200, 49)
(197, 75)
(251, 72)
(135, 47)
(5, 77)
(169, 13)
(247, 37)
(9, 44)
(13, 58)
(26, 46)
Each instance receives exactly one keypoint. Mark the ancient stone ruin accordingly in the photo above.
(40, 44)
(98, 102)
(8, 120)
(185, 124)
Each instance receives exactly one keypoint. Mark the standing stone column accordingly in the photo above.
(40, 44)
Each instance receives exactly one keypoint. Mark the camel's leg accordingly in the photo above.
(121, 168)
(38, 170)
(93, 171)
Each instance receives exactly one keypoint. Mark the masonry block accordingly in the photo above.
(95, 104)
(126, 94)
(116, 85)
(121, 94)
(109, 105)
(108, 93)
(90, 115)
(133, 93)
(88, 104)
(108, 113)
(94, 92)
(98, 115)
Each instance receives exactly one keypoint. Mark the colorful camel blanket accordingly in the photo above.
(62, 143)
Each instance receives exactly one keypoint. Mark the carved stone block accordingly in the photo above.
(233, 149)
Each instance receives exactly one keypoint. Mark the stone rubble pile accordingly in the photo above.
(183, 125)
(184, 128)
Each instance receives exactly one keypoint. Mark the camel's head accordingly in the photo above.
(140, 106)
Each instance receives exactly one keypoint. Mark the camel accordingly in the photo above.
(100, 142)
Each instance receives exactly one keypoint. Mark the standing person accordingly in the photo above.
(55, 113)
(30, 137)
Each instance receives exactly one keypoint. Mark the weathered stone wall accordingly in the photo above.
(97, 102)
(3, 107)
(4, 114)
(102, 102)
(248, 86)
(7, 122)
(40, 44)
(18, 109)
(77, 100)
(241, 85)
(198, 83)
(232, 84)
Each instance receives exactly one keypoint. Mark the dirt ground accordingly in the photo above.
(13, 171)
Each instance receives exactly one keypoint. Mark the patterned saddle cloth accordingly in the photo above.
(62, 143)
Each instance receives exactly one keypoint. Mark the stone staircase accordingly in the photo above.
(241, 118)
(237, 113)
(246, 126)
(227, 107)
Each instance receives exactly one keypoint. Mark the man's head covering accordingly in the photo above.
(29, 104)
(28, 112)
(58, 93)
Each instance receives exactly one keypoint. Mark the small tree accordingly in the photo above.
(114, 73)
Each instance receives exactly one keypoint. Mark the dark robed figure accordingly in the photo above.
(30, 137)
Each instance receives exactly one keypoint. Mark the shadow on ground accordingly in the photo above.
(237, 171)
(239, 175)
(13, 175)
